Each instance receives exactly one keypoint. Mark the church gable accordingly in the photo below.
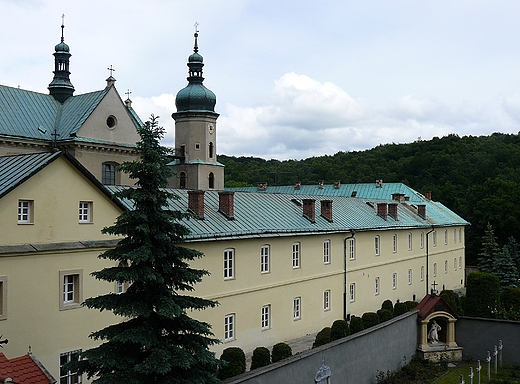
(110, 121)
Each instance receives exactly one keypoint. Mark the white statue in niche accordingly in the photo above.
(433, 334)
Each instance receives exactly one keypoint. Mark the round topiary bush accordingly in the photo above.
(339, 330)
(385, 314)
(356, 324)
(234, 361)
(387, 304)
(323, 337)
(281, 351)
(399, 309)
(370, 319)
(261, 357)
(411, 305)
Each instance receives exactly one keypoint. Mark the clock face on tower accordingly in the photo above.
(211, 128)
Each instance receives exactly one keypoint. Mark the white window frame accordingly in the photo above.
(229, 264)
(445, 266)
(352, 249)
(455, 264)
(297, 308)
(377, 245)
(85, 212)
(409, 276)
(455, 236)
(264, 258)
(434, 269)
(434, 235)
(410, 242)
(266, 316)
(229, 327)
(445, 237)
(25, 211)
(69, 377)
(3, 297)
(460, 235)
(71, 289)
(394, 280)
(326, 300)
(394, 243)
(326, 252)
(421, 241)
(352, 292)
(422, 272)
(460, 262)
(377, 283)
(296, 262)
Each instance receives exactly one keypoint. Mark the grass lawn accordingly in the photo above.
(506, 375)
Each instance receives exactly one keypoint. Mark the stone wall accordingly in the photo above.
(355, 359)
(477, 336)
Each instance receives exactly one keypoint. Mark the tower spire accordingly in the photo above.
(61, 88)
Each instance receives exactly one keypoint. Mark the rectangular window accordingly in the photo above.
(25, 212)
(229, 327)
(297, 308)
(445, 236)
(264, 259)
(352, 291)
(394, 243)
(71, 289)
(434, 269)
(296, 255)
(120, 287)
(326, 300)
(85, 212)
(394, 280)
(108, 174)
(434, 234)
(422, 272)
(377, 286)
(3, 297)
(68, 377)
(266, 316)
(229, 264)
(421, 240)
(352, 249)
(445, 266)
(410, 241)
(454, 236)
(455, 264)
(326, 252)
(409, 276)
(460, 262)
(376, 245)
(460, 235)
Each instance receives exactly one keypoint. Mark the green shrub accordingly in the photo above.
(449, 297)
(234, 361)
(281, 351)
(356, 324)
(482, 295)
(261, 357)
(370, 319)
(385, 314)
(411, 305)
(339, 330)
(323, 337)
(399, 309)
(387, 304)
(510, 299)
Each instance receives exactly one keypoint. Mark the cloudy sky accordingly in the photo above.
(293, 79)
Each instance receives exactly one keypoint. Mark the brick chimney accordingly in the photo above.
(398, 196)
(326, 209)
(262, 186)
(337, 183)
(392, 210)
(379, 183)
(196, 203)
(421, 210)
(297, 185)
(428, 195)
(226, 204)
(382, 210)
(309, 209)
(320, 184)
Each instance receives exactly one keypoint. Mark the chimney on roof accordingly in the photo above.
(428, 195)
(421, 210)
(320, 184)
(128, 103)
(196, 203)
(226, 204)
(309, 209)
(337, 183)
(379, 183)
(326, 209)
(398, 196)
(392, 210)
(262, 186)
(382, 210)
(297, 185)
(110, 81)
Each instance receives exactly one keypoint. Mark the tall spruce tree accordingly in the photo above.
(504, 268)
(489, 250)
(156, 341)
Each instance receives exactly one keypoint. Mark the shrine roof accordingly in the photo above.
(24, 370)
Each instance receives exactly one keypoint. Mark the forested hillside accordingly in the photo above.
(477, 177)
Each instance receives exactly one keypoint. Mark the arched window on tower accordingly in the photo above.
(211, 180)
(182, 180)
(211, 149)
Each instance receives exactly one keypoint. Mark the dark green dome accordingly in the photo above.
(195, 97)
(195, 58)
(62, 47)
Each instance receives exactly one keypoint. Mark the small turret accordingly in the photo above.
(61, 88)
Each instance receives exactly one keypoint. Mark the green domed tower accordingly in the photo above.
(61, 88)
(196, 131)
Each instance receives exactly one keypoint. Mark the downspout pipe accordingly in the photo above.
(352, 233)
(427, 257)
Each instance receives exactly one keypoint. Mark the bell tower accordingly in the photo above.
(61, 88)
(196, 162)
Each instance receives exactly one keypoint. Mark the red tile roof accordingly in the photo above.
(24, 370)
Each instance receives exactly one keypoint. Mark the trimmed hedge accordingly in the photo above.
(482, 295)
(234, 361)
(387, 304)
(356, 324)
(281, 351)
(323, 337)
(400, 308)
(339, 330)
(385, 315)
(510, 299)
(411, 305)
(261, 357)
(450, 298)
(370, 319)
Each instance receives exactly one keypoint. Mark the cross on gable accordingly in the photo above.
(111, 69)
(128, 93)
(434, 285)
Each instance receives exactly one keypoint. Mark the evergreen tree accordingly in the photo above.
(504, 267)
(157, 342)
(514, 251)
(488, 251)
